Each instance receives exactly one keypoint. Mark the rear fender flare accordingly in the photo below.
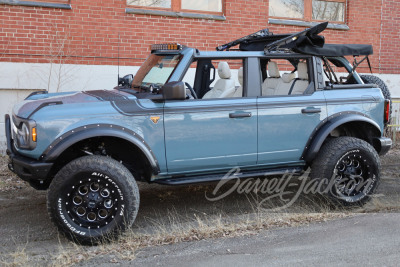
(322, 131)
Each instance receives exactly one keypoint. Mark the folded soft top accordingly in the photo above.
(336, 50)
(305, 42)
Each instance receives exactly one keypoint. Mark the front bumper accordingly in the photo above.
(33, 171)
(382, 145)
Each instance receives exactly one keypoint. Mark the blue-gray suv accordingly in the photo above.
(265, 103)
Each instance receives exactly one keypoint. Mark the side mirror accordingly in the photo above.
(126, 81)
(174, 91)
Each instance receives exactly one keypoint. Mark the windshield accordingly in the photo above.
(155, 71)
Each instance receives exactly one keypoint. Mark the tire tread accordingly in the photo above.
(94, 163)
(333, 149)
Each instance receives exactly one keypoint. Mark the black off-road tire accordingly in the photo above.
(347, 161)
(371, 79)
(93, 199)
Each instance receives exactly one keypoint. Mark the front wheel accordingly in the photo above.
(93, 199)
(348, 170)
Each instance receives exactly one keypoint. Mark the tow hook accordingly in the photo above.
(11, 167)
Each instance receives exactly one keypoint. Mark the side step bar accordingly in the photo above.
(224, 176)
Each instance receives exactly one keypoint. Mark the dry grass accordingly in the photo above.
(179, 225)
(8, 180)
(191, 227)
(70, 256)
(206, 228)
(17, 258)
(183, 229)
(379, 204)
(395, 136)
(177, 228)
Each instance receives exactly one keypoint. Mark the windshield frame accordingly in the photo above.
(149, 64)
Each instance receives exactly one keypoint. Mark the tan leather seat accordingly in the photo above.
(225, 86)
(285, 84)
(274, 78)
(239, 91)
(302, 83)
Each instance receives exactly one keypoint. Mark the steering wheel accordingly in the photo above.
(191, 90)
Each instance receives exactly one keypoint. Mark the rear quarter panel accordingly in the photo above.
(368, 101)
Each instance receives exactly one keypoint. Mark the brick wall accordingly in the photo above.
(88, 34)
(390, 37)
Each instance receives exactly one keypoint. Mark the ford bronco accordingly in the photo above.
(274, 104)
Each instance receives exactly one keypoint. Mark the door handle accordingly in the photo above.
(240, 115)
(310, 110)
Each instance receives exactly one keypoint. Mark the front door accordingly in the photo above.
(210, 134)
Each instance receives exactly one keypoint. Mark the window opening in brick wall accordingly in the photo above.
(309, 10)
(208, 6)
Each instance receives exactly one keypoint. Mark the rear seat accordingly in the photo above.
(302, 80)
(285, 84)
(288, 84)
(239, 90)
(274, 78)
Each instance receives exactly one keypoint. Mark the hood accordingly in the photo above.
(35, 102)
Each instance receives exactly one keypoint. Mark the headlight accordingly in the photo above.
(25, 134)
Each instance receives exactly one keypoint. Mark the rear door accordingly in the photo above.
(286, 122)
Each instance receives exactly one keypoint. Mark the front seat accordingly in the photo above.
(239, 91)
(225, 86)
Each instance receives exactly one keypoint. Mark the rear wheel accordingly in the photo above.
(93, 199)
(349, 169)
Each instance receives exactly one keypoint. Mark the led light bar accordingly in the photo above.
(172, 46)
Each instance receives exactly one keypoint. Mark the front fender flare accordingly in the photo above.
(71, 137)
(320, 133)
